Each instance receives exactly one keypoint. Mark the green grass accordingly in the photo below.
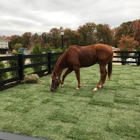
(111, 113)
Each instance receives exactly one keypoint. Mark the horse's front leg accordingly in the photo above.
(65, 74)
(77, 72)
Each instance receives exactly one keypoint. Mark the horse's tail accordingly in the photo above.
(110, 68)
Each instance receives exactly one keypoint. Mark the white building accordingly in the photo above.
(3, 45)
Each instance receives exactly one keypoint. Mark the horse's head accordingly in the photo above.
(55, 81)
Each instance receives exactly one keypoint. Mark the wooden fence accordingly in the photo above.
(126, 57)
(49, 62)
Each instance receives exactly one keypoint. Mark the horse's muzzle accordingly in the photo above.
(52, 90)
(53, 87)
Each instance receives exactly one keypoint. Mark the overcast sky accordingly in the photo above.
(20, 16)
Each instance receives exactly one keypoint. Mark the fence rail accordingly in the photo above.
(125, 55)
(50, 60)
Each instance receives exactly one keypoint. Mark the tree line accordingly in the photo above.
(125, 37)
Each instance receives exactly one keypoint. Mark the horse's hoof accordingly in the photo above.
(77, 88)
(62, 85)
(95, 89)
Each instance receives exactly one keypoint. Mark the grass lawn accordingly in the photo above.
(111, 113)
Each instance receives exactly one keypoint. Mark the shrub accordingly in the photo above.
(47, 49)
(37, 50)
(3, 76)
(13, 63)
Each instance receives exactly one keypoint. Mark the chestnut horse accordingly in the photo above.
(83, 56)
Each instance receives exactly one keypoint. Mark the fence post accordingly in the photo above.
(138, 63)
(20, 64)
(49, 62)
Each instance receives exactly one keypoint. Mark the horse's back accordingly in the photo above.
(93, 48)
(104, 52)
(103, 47)
(88, 55)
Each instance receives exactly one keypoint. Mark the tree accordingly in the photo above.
(86, 32)
(76, 38)
(26, 39)
(104, 34)
(35, 39)
(124, 29)
(54, 36)
(69, 36)
(136, 29)
(44, 40)
(114, 37)
(127, 43)
(17, 47)
(37, 50)
(14, 39)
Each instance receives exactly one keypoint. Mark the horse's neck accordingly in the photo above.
(60, 65)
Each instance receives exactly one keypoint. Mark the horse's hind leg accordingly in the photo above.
(65, 74)
(77, 72)
(103, 74)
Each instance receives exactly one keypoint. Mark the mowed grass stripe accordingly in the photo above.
(111, 113)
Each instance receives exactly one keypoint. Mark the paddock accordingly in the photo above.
(113, 112)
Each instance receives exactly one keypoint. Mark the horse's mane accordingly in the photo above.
(58, 62)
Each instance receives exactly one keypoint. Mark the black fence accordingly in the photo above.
(48, 63)
(127, 57)
(50, 60)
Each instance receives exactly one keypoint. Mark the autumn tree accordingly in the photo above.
(127, 43)
(136, 29)
(69, 37)
(114, 37)
(86, 32)
(124, 29)
(13, 40)
(76, 39)
(45, 39)
(26, 39)
(54, 36)
(103, 34)
(83, 35)
(35, 39)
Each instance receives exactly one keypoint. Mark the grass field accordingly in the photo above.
(111, 113)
